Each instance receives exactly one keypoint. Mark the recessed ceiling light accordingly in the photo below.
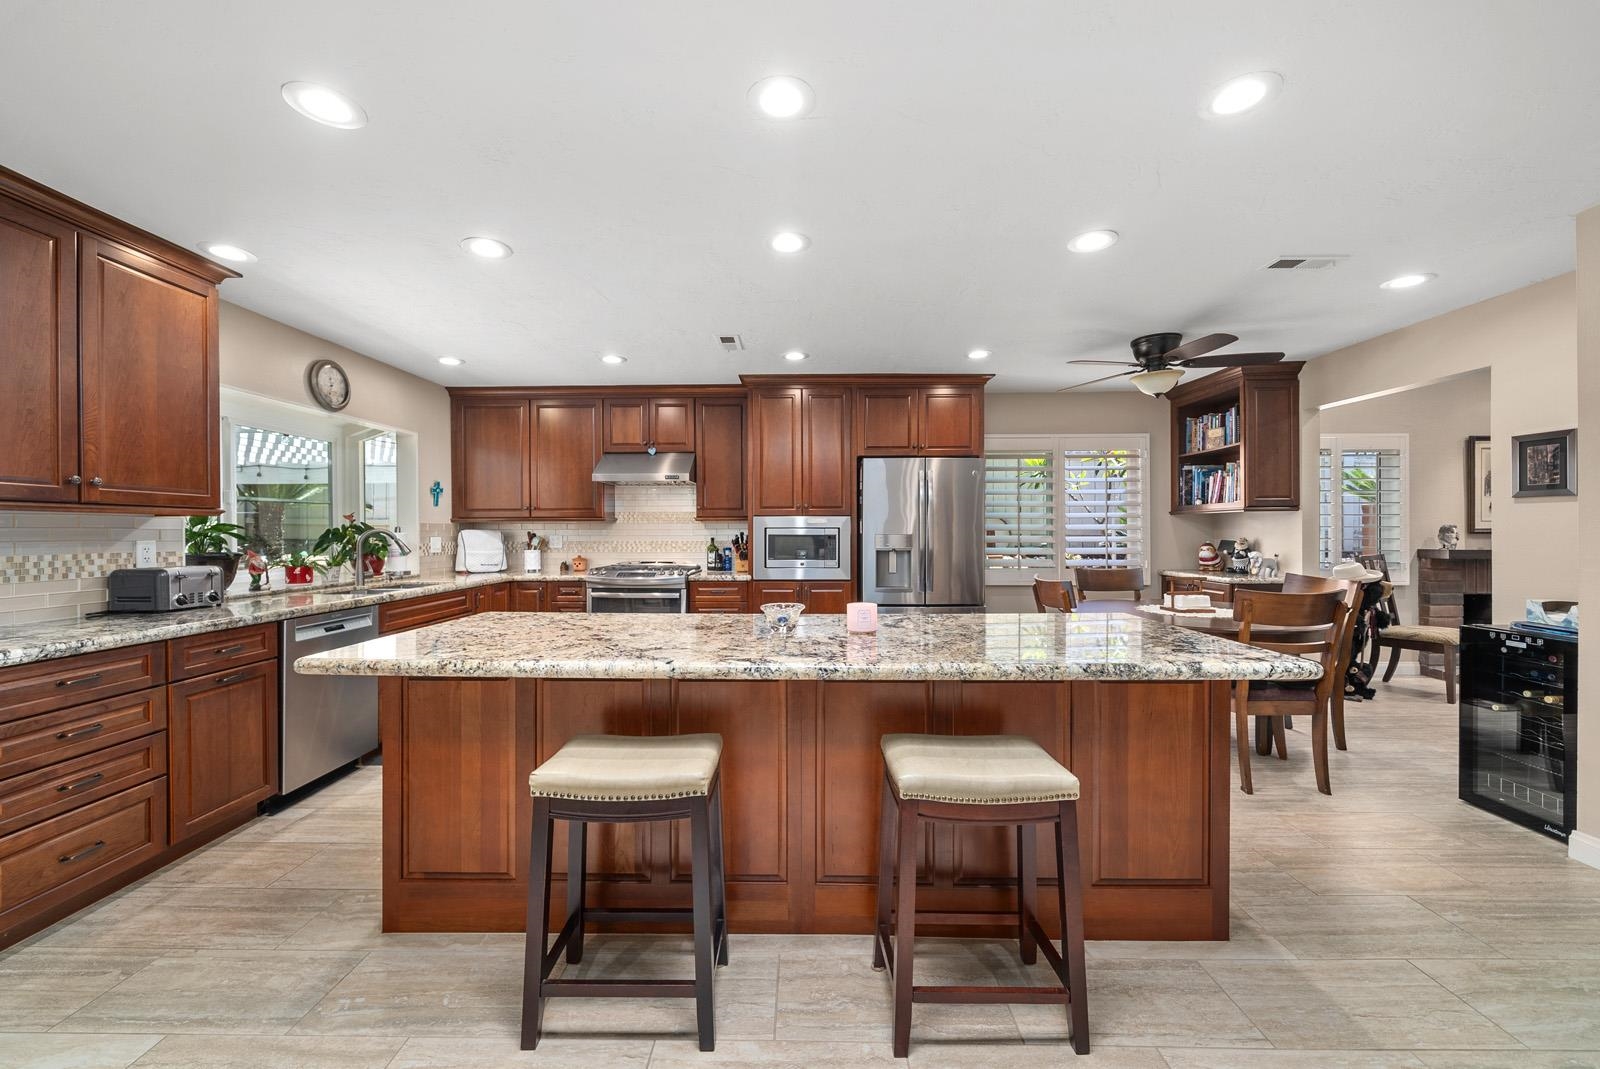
(1242, 94)
(1093, 241)
(978, 354)
(795, 355)
(613, 358)
(1405, 282)
(451, 361)
(789, 241)
(782, 97)
(326, 106)
(488, 248)
(232, 253)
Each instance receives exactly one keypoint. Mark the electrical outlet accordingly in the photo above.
(144, 553)
(435, 544)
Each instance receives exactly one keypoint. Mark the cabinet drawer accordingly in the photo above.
(198, 655)
(718, 597)
(61, 857)
(27, 745)
(567, 597)
(59, 788)
(30, 689)
(419, 612)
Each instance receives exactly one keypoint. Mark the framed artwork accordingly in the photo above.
(1545, 465)
(1480, 497)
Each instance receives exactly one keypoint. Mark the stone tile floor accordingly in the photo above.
(1389, 925)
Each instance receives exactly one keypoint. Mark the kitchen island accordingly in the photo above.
(1137, 708)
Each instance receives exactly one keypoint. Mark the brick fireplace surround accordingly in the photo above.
(1453, 588)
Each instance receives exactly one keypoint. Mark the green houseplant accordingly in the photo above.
(210, 540)
(300, 566)
(338, 545)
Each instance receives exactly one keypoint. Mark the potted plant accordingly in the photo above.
(210, 540)
(338, 544)
(300, 567)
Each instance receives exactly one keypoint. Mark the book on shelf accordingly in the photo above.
(1209, 484)
(1213, 430)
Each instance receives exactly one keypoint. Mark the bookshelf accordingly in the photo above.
(1236, 440)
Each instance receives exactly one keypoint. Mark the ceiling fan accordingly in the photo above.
(1159, 360)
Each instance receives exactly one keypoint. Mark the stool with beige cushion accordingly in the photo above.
(1419, 637)
(614, 779)
(978, 780)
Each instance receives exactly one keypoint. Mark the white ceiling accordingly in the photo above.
(954, 148)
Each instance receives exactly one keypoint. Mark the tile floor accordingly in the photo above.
(1386, 926)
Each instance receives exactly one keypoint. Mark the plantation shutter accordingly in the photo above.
(1019, 503)
(1102, 506)
(1363, 505)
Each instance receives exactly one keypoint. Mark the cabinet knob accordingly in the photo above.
(74, 480)
(97, 481)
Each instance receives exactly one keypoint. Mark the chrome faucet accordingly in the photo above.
(395, 540)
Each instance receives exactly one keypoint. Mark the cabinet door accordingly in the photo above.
(828, 475)
(775, 451)
(886, 420)
(223, 746)
(822, 597)
(764, 591)
(39, 340)
(489, 454)
(627, 425)
(566, 445)
(527, 597)
(148, 358)
(496, 598)
(719, 459)
(1269, 413)
(950, 420)
(672, 424)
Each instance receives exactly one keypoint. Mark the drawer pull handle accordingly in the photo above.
(223, 651)
(67, 859)
(236, 677)
(87, 781)
(93, 729)
(90, 678)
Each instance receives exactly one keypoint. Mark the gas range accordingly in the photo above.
(640, 586)
(642, 573)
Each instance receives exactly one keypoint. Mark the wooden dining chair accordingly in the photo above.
(1295, 583)
(1423, 639)
(1109, 581)
(1054, 595)
(1325, 611)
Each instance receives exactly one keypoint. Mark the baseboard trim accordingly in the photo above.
(1585, 848)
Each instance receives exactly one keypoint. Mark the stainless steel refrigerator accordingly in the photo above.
(922, 532)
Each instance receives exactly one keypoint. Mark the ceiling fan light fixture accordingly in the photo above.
(1156, 382)
(1242, 94)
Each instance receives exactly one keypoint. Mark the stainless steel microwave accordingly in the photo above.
(801, 547)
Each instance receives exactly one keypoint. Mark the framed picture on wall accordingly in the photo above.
(1545, 465)
(1480, 497)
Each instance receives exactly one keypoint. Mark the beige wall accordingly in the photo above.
(1588, 398)
(1438, 420)
(269, 359)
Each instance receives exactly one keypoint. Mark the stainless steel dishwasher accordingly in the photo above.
(328, 721)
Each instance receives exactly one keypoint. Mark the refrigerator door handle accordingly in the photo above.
(925, 531)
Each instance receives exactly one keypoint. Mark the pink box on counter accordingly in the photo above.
(861, 616)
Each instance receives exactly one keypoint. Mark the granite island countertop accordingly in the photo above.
(996, 646)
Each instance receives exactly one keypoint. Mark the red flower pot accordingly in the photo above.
(374, 564)
(300, 576)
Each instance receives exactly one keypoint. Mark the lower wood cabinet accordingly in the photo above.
(527, 596)
(496, 598)
(818, 596)
(223, 746)
(566, 595)
(396, 616)
(719, 597)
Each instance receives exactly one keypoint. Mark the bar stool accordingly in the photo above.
(620, 779)
(978, 779)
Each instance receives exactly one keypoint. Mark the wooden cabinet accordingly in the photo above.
(490, 454)
(719, 481)
(198, 655)
(800, 451)
(493, 598)
(566, 446)
(719, 596)
(404, 615)
(635, 424)
(1256, 447)
(566, 595)
(1220, 593)
(818, 596)
(527, 596)
(222, 746)
(919, 420)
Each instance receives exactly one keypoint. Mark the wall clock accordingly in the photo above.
(329, 385)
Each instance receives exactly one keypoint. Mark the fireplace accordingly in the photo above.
(1453, 588)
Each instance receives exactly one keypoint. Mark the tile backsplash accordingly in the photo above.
(53, 565)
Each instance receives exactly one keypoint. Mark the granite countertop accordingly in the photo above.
(26, 643)
(908, 646)
(720, 577)
(1231, 578)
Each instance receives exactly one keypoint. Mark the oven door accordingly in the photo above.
(635, 599)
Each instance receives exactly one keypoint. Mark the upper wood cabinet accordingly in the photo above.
(490, 448)
(106, 332)
(917, 420)
(719, 483)
(566, 447)
(1259, 457)
(635, 424)
(800, 459)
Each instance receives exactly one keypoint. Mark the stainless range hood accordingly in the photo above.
(673, 469)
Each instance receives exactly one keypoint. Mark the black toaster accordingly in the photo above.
(164, 589)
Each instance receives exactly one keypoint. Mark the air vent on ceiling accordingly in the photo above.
(1306, 263)
(731, 342)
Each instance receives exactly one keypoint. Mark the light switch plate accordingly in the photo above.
(435, 544)
(556, 540)
(144, 553)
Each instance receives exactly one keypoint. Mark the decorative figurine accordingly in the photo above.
(1241, 556)
(1449, 536)
(437, 490)
(1210, 559)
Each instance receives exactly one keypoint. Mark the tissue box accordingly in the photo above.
(1562, 615)
(1188, 601)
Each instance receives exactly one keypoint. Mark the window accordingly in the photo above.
(1362, 508)
(282, 487)
(380, 459)
(1053, 503)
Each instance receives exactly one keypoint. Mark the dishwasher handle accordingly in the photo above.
(348, 625)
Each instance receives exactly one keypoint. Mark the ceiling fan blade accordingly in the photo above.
(1105, 378)
(1233, 360)
(1107, 363)
(1199, 346)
